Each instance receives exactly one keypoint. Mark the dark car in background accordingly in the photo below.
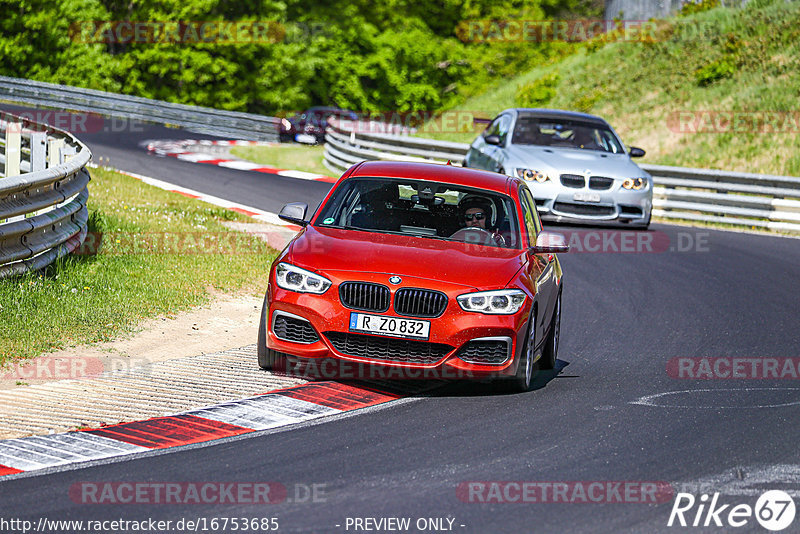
(309, 126)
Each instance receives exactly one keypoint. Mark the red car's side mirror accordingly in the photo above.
(549, 243)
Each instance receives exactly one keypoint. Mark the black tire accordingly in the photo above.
(550, 350)
(646, 225)
(526, 370)
(268, 358)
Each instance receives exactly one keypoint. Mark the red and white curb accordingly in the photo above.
(271, 410)
(191, 150)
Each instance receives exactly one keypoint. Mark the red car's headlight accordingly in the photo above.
(293, 278)
(499, 302)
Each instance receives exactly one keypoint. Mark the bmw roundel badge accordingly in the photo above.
(395, 280)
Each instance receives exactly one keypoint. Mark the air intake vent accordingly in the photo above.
(388, 349)
(419, 302)
(583, 209)
(485, 351)
(292, 329)
(634, 211)
(364, 296)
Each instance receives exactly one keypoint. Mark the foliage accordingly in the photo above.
(364, 55)
(538, 92)
(715, 70)
(698, 6)
(646, 88)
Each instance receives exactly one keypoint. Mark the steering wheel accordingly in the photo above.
(474, 235)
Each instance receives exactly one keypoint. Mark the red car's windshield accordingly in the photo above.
(422, 208)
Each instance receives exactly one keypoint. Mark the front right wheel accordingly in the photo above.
(526, 369)
(550, 352)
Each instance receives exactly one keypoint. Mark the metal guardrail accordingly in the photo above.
(208, 120)
(43, 194)
(705, 195)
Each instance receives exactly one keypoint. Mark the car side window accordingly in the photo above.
(503, 128)
(499, 127)
(532, 224)
(492, 129)
(536, 220)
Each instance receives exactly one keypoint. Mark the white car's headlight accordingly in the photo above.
(292, 278)
(531, 174)
(635, 183)
(499, 302)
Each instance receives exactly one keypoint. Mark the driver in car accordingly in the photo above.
(476, 213)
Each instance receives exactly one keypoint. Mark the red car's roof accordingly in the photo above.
(435, 172)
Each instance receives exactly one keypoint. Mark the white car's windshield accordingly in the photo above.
(424, 209)
(565, 133)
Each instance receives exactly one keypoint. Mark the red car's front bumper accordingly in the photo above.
(454, 328)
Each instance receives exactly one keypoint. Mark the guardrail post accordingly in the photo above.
(54, 155)
(38, 151)
(13, 148)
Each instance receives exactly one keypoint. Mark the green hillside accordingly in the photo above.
(724, 72)
(275, 57)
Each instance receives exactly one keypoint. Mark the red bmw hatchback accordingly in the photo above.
(431, 270)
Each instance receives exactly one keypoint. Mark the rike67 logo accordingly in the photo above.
(774, 510)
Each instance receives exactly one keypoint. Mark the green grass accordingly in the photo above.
(286, 156)
(137, 274)
(721, 60)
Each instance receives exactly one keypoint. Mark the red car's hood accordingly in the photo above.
(474, 266)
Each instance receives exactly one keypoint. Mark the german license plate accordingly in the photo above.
(586, 197)
(390, 326)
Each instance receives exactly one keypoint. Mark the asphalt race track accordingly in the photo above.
(611, 412)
